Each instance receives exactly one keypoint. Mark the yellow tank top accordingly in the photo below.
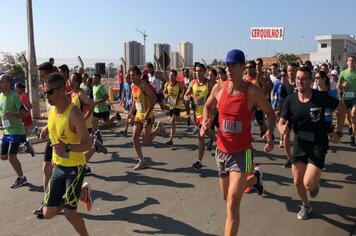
(141, 102)
(76, 101)
(173, 93)
(200, 94)
(58, 128)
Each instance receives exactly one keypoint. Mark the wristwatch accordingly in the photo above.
(340, 134)
(68, 147)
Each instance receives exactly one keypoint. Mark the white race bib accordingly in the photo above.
(232, 126)
(172, 101)
(138, 106)
(349, 94)
(200, 101)
(6, 123)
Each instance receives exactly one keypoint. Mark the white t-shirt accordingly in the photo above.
(274, 79)
(156, 83)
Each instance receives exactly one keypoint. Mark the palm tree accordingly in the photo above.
(32, 70)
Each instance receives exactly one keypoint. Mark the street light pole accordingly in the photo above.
(32, 70)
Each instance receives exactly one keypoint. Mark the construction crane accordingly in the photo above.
(144, 40)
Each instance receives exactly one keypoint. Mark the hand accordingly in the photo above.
(283, 129)
(334, 138)
(204, 127)
(269, 141)
(8, 114)
(59, 148)
(44, 133)
(344, 84)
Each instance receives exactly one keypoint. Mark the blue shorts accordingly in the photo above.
(11, 143)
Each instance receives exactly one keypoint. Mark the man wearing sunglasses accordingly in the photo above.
(70, 139)
(11, 113)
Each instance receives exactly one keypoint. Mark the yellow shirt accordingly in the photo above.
(58, 128)
(173, 96)
(200, 94)
(83, 107)
(141, 103)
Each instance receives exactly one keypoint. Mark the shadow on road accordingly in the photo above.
(34, 188)
(159, 223)
(139, 179)
(321, 210)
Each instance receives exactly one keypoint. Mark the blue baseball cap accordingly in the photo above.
(235, 56)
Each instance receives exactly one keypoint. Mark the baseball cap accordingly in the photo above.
(235, 56)
(334, 72)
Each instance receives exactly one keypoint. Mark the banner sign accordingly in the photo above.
(270, 33)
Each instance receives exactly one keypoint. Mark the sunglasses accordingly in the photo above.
(318, 77)
(51, 91)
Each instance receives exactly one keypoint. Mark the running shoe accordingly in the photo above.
(99, 147)
(124, 132)
(29, 148)
(118, 117)
(87, 170)
(349, 132)
(197, 166)
(98, 136)
(38, 211)
(86, 196)
(140, 165)
(170, 143)
(313, 193)
(259, 185)
(19, 182)
(288, 164)
(304, 213)
(196, 130)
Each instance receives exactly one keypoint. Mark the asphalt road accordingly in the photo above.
(169, 198)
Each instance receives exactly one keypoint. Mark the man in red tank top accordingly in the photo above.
(236, 98)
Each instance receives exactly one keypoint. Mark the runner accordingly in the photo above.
(306, 111)
(199, 90)
(65, 184)
(234, 148)
(26, 120)
(157, 83)
(142, 114)
(86, 105)
(173, 93)
(347, 82)
(126, 100)
(101, 110)
(11, 113)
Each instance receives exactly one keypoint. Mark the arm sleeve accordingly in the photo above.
(285, 113)
(331, 101)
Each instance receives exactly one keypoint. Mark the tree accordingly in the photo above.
(284, 59)
(14, 65)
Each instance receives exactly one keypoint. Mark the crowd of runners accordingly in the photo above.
(222, 104)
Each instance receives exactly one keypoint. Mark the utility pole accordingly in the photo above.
(144, 42)
(32, 70)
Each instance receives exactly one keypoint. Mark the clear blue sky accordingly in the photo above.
(98, 29)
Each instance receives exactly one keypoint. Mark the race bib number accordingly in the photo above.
(199, 101)
(349, 94)
(231, 126)
(6, 123)
(138, 106)
(306, 136)
(172, 101)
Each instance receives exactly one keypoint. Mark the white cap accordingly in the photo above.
(334, 72)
